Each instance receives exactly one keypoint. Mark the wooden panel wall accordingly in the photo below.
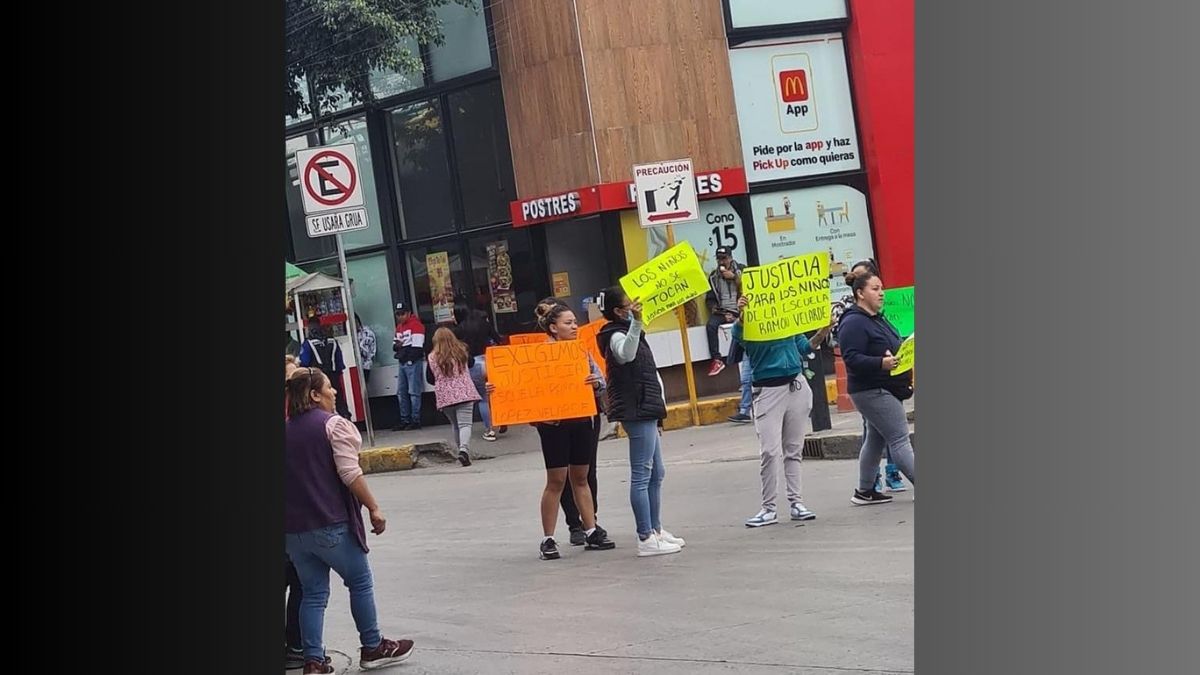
(544, 96)
(658, 78)
(658, 74)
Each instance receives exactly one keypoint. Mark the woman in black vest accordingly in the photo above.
(635, 399)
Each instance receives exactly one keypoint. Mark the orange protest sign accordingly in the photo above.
(527, 338)
(539, 383)
(587, 336)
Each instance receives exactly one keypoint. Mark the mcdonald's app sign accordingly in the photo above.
(793, 85)
(793, 103)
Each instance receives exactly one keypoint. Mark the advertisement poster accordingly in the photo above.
(829, 218)
(500, 276)
(718, 225)
(793, 106)
(561, 284)
(441, 288)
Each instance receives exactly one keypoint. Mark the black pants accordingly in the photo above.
(567, 500)
(291, 626)
(715, 320)
(340, 404)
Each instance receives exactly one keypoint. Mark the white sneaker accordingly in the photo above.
(653, 545)
(764, 517)
(671, 539)
(799, 512)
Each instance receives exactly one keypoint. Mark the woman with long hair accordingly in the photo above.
(473, 327)
(869, 347)
(324, 494)
(449, 371)
(636, 400)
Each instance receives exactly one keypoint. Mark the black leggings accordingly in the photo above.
(567, 500)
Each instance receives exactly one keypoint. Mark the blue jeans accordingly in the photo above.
(747, 394)
(410, 384)
(646, 475)
(485, 411)
(316, 552)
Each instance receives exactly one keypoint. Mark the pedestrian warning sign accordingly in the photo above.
(666, 193)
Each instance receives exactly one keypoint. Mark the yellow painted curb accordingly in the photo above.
(712, 411)
(382, 460)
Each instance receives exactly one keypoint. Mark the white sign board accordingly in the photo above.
(324, 224)
(666, 193)
(746, 13)
(329, 179)
(793, 105)
(826, 218)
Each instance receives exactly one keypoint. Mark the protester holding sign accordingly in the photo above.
(890, 474)
(782, 401)
(568, 445)
(550, 311)
(636, 400)
(869, 345)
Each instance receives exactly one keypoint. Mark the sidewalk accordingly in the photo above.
(431, 445)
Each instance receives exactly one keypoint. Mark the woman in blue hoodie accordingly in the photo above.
(869, 347)
(781, 402)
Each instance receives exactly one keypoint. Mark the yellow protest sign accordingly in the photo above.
(539, 382)
(906, 356)
(667, 281)
(786, 298)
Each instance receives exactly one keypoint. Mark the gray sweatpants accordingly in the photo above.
(460, 416)
(887, 426)
(781, 420)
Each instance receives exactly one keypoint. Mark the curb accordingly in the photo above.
(382, 460)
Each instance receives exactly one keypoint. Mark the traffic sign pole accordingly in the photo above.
(681, 314)
(360, 382)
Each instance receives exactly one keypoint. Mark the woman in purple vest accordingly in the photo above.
(325, 491)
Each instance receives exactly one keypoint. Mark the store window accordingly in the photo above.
(719, 225)
(439, 280)
(422, 172)
(751, 13)
(289, 119)
(386, 83)
(466, 47)
(830, 218)
(372, 294)
(355, 131)
(304, 246)
(482, 153)
(578, 261)
(505, 279)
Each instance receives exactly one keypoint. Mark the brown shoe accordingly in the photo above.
(388, 653)
(314, 668)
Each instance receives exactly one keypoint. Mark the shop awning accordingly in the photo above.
(312, 282)
(291, 271)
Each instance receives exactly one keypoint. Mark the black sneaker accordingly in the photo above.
(403, 426)
(578, 538)
(869, 497)
(598, 540)
(415, 426)
(740, 418)
(464, 458)
(293, 659)
(549, 549)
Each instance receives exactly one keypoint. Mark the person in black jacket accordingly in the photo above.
(869, 347)
(635, 399)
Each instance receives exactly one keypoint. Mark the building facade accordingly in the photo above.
(503, 172)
